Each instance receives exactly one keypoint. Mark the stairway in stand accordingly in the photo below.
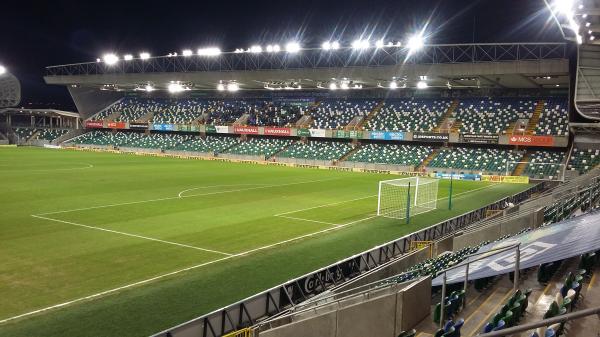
(349, 153)
(520, 168)
(427, 160)
(535, 118)
(371, 114)
(443, 124)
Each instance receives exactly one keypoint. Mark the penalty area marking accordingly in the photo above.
(132, 235)
(183, 196)
(179, 271)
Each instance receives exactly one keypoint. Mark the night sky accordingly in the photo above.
(34, 34)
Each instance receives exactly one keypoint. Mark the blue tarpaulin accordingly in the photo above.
(560, 241)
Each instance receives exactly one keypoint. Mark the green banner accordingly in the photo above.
(347, 134)
(210, 129)
(302, 132)
(183, 127)
(194, 128)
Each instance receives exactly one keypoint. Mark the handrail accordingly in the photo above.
(545, 322)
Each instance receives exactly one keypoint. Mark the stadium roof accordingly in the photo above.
(38, 112)
(10, 90)
(516, 65)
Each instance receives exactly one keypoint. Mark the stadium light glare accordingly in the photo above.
(564, 6)
(149, 88)
(422, 85)
(255, 49)
(344, 86)
(221, 87)
(98, 60)
(393, 85)
(187, 52)
(333, 86)
(210, 51)
(233, 87)
(292, 47)
(175, 87)
(335, 45)
(326, 45)
(360, 44)
(128, 57)
(144, 55)
(2, 70)
(110, 59)
(379, 43)
(415, 42)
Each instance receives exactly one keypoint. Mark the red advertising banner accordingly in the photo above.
(531, 140)
(116, 125)
(94, 124)
(244, 130)
(272, 131)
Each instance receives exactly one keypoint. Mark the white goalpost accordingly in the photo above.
(405, 197)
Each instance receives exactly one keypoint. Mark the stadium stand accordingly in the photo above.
(228, 111)
(265, 147)
(210, 144)
(50, 134)
(476, 159)
(182, 111)
(408, 155)
(24, 133)
(544, 164)
(409, 115)
(336, 114)
(554, 119)
(583, 160)
(130, 109)
(276, 114)
(317, 150)
(492, 115)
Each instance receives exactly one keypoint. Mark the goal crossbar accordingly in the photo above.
(399, 198)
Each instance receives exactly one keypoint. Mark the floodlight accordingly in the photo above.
(128, 57)
(149, 88)
(175, 87)
(292, 47)
(333, 86)
(187, 52)
(379, 44)
(2, 70)
(422, 85)
(335, 45)
(326, 45)
(393, 85)
(98, 60)
(110, 59)
(144, 55)
(344, 85)
(210, 51)
(238, 50)
(256, 49)
(360, 44)
(415, 42)
(564, 6)
(592, 37)
(269, 49)
(221, 87)
(233, 86)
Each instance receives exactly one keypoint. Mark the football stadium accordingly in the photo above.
(358, 186)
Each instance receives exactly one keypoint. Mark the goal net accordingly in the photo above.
(537, 170)
(401, 198)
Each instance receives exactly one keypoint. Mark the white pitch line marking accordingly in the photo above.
(325, 205)
(127, 286)
(184, 196)
(87, 166)
(205, 187)
(132, 235)
(110, 291)
(309, 220)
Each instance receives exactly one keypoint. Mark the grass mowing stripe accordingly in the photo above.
(132, 235)
(110, 291)
(181, 197)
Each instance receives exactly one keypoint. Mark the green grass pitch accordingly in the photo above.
(177, 237)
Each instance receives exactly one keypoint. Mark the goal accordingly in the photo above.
(402, 198)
